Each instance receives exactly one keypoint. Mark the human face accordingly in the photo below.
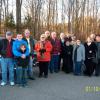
(19, 36)
(62, 35)
(92, 36)
(23, 48)
(27, 34)
(67, 43)
(42, 38)
(78, 42)
(53, 35)
(47, 34)
(8, 37)
(73, 38)
(98, 38)
(89, 40)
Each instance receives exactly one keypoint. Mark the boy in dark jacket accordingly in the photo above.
(22, 64)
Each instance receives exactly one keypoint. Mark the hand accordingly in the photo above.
(23, 56)
(42, 50)
(58, 53)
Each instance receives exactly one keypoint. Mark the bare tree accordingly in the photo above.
(18, 15)
(0, 13)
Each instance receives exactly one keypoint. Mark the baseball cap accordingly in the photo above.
(9, 33)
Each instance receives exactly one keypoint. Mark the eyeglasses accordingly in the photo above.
(42, 37)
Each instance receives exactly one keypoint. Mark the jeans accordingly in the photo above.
(54, 63)
(7, 65)
(77, 68)
(21, 75)
(30, 68)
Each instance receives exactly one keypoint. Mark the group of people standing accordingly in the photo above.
(54, 54)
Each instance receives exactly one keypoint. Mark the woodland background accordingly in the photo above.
(79, 17)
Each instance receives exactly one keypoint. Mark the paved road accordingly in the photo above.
(59, 86)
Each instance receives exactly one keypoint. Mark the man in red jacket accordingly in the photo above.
(55, 53)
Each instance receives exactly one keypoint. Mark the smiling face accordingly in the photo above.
(27, 33)
(78, 42)
(67, 43)
(62, 35)
(19, 36)
(53, 35)
(89, 40)
(42, 37)
(92, 36)
(98, 38)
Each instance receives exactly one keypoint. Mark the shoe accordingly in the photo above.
(24, 85)
(12, 83)
(97, 75)
(40, 76)
(31, 78)
(3, 83)
(51, 71)
(45, 76)
(56, 71)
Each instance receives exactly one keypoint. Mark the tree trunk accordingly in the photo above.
(18, 15)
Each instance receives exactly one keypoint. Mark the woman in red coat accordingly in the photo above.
(43, 49)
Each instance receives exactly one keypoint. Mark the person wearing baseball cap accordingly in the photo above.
(7, 59)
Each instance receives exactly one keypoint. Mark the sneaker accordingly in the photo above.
(3, 83)
(45, 76)
(12, 83)
(31, 78)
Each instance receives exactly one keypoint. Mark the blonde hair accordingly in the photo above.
(42, 35)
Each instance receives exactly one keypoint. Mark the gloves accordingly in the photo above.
(42, 50)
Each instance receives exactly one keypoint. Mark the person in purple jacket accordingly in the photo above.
(55, 53)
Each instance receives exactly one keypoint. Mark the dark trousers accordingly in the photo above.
(67, 65)
(90, 66)
(97, 70)
(43, 68)
(59, 63)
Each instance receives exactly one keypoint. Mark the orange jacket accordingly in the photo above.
(47, 55)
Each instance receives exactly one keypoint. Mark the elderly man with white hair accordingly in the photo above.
(31, 43)
(7, 58)
(47, 34)
(62, 40)
(54, 63)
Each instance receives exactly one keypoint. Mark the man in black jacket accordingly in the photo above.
(7, 59)
(31, 45)
(97, 70)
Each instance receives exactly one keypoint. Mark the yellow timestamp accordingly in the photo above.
(92, 89)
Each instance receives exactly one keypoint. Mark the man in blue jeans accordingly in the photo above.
(54, 63)
(31, 43)
(7, 59)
